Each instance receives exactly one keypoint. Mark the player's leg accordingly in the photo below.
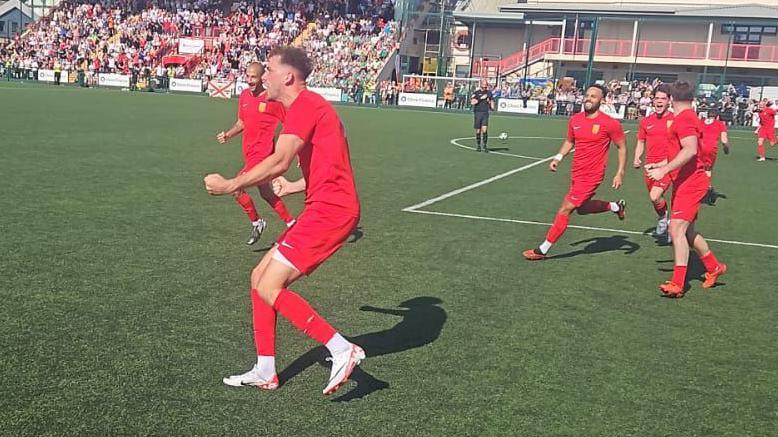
(675, 286)
(656, 195)
(485, 132)
(594, 206)
(275, 202)
(263, 373)
(257, 223)
(558, 228)
(477, 123)
(760, 147)
(713, 268)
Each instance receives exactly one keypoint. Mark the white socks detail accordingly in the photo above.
(338, 344)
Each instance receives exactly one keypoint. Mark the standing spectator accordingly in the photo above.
(448, 96)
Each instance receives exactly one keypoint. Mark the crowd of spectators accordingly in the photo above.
(350, 41)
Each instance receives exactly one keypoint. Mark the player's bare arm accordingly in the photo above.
(725, 142)
(273, 166)
(621, 147)
(567, 146)
(640, 147)
(284, 187)
(222, 137)
(688, 150)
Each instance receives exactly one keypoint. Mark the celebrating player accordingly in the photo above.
(652, 137)
(713, 130)
(766, 129)
(313, 132)
(482, 102)
(257, 119)
(690, 184)
(591, 132)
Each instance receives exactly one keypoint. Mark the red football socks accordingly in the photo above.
(302, 316)
(679, 275)
(558, 228)
(710, 262)
(594, 207)
(661, 207)
(280, 208)
(264, 318)
(760, 150)
(245, 202)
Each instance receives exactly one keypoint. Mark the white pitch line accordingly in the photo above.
(588, 228)
(474, 186)
(455, 142)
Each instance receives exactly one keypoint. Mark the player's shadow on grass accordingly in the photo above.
(661, 240)
(499, 149)
(615, 243)
(421, 324)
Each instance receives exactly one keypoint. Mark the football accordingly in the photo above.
(503, 136)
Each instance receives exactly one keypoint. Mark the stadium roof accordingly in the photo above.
(9, 5)
(478, 9)
(718, 13)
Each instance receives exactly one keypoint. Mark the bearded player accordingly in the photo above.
(690, 185)
(313, 132)
(713, 131)
(591, 132)
(652, 138)
(257, 119)
(766, 129)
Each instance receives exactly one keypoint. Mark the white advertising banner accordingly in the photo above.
(611, 110)
(768, 92)
(48, 76)
(330, 94)
(517, 106)
(117, 80)
(240, 86)
(418, 99)
(188, 46)
(186, 85)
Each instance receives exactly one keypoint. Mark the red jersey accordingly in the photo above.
(767, 118)
(260, 118)
(653, 130)
(324, 159)
(711, 133)
(592, 138)
(686, 124)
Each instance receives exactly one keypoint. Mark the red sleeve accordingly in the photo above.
(723, 127)
(299, 123)
(570, 131)
(642, 130)
(616, 132)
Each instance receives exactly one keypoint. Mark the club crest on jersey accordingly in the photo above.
(669, 123)
(262, 106)
(596, 129)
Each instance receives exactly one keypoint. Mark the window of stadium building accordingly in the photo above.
(2, 26)
(748, 34)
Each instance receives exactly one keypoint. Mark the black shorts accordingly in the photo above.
(480, 119)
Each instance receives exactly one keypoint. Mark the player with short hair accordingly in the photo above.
(257, 119)
(482, 102)
(652, 137)
(591, 133)
(313, 132)
(690, 184)
(713, 130)
(766, 129)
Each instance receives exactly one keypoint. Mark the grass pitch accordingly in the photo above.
(125, 286)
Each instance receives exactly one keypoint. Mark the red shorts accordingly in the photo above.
(315, 236)
(581, 192)
(664, 183)
(767, 134)
(688, 195)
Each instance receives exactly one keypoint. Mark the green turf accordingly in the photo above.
(125, 294)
